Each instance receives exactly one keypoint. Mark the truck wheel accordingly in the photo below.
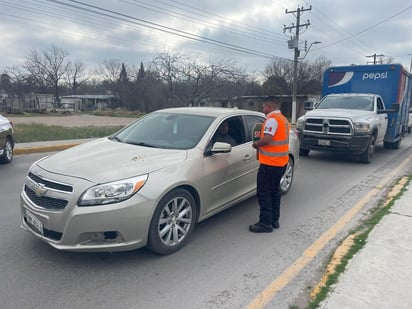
(304, 152)
(366, 157)
(397, 144)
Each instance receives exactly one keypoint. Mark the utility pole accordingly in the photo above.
(294, 44)
(374, 56)
(410, 68)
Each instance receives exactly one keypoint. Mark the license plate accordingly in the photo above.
(34, 223)
(324, 142)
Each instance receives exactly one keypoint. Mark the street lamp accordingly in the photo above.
(295, 78)
(316, 42)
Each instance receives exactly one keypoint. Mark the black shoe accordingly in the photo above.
(260, 228)
(275, 225)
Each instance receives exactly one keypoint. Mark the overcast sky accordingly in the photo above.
(247, 32)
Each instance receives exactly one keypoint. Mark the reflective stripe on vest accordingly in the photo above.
(276, 153)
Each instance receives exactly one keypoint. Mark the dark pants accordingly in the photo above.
(268, 194)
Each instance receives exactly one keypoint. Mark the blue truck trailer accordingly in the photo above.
(361, 105)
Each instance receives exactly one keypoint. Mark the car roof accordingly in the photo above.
(211, 111)
(3, 118)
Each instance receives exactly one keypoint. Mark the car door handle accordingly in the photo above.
(247, 158)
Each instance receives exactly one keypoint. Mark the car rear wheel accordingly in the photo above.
(7, 155)
(287, 178)
(173, 222)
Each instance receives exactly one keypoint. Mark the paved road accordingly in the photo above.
(73, 120)
(223, 266)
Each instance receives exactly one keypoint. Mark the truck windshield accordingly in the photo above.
(364, 103)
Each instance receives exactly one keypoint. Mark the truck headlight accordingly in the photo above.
(300, 123)
(112, 192)
(362, 127)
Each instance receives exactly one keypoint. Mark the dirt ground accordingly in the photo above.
(73, 120)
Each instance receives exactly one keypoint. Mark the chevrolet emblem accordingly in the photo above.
(39, 189)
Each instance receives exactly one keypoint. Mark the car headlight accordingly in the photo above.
(300, 122)
(112, 192)
(362, 127)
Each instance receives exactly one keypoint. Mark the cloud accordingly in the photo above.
(249, 32)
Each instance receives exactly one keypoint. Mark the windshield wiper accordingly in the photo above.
(115, 138)
(142, 144)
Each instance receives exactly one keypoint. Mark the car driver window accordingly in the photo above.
(222, 134)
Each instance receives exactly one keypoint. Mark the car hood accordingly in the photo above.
(104, 160)
(355, 115)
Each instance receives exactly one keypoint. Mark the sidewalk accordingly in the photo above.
(379, 275)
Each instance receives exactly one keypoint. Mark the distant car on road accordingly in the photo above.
(6, 140)
(146, 185)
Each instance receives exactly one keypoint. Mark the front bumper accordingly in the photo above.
(107, 228)
(355, 144)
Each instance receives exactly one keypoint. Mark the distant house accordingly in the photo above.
(86, 102)
(27, 102)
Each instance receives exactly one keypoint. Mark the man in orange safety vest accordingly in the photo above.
(272, 148)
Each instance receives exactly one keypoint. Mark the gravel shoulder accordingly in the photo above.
(73, 120)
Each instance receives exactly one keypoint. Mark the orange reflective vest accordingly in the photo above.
(276, 153)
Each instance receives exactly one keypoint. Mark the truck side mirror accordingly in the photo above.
(308, 105)
(395, 109)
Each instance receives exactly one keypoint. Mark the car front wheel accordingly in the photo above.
(172, 223)
(7, 155)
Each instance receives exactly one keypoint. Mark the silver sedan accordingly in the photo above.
(148, 184)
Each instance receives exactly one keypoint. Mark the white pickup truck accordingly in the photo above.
(345, 122)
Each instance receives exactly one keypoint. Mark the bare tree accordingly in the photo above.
(110, 70)
(76, 75)
(211, 80)
(17, 78)
(47, 67)
(279, 76)
(319, 66)
(168, 67)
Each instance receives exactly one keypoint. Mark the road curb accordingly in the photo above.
(341, 252)
(21, 151)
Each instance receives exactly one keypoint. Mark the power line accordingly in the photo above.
(158, 27)
(251, 35)
(366, 29)
(193, 9)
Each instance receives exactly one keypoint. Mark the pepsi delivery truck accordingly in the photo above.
(361, 105)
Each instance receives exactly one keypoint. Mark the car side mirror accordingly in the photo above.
(308, 105)
(220, 147)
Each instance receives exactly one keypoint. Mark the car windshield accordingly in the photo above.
(166, 130)
(364, 103)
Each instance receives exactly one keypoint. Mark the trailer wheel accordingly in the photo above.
(366, 157)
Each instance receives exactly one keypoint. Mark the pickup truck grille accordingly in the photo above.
(328, 126)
